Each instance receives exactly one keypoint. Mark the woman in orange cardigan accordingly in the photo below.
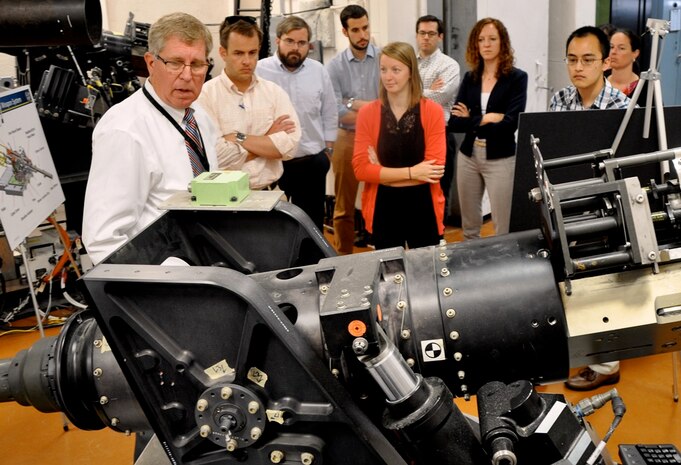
(400, 149)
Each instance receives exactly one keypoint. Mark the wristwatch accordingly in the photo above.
(241, 137)
(329, 151)
(349, 103)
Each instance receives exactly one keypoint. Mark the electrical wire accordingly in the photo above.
(619, 409)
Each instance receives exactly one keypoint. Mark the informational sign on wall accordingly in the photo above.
(29, 186)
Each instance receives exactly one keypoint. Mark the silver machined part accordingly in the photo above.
(392, 373)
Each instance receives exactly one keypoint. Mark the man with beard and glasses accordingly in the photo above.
(257, 121)
(354, 75)
(309, 87)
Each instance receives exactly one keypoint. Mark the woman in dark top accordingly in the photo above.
(624, 51)
(400, 154)
(491, 97)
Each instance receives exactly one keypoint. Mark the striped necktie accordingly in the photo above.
(192, 130)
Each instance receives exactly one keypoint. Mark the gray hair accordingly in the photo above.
(181, 25)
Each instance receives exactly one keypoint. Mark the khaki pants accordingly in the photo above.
(345, 185)
(473, 175)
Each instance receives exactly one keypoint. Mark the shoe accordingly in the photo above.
(587, 379)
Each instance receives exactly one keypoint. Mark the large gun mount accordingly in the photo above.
(355, 359)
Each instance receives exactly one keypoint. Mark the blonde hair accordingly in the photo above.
(404, 53)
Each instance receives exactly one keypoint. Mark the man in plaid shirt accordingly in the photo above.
(587, 58)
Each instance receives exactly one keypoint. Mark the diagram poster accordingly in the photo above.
(29, 186)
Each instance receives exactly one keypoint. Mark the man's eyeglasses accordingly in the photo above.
(430, 34)
(176, 67)
(585, 61)
(229, 20)
(299, 43)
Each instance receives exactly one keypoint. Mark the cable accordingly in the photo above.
(619, 409)
(586, 407)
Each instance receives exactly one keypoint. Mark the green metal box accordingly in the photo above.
(219, 188)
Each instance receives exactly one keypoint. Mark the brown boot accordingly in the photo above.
(587, 379)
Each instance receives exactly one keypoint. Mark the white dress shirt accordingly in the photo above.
(139, 159)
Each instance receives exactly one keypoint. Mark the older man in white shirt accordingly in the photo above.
(140, 152)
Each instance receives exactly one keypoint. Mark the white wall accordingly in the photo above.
(7, 63)
(529, 43)
(564, 17)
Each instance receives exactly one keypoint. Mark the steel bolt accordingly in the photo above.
(306, 458)
(454, 335)
(443, 257)
(253, 407)
(226, 392)
(451, 313)
(447, 291)
(398, 279)
(276, 456)
(640, 198)
(201, 405)
(114, 421)
(401, 305)
(97, 372)
(97, 343)
(103, 400)
(232, 445)
(461, 374)
(458, 356)
(360, 345)
(652, 255)
(324, 289)
(444, 272)
(255, 433)
(411, 362)
(335, 372)
(405, 334)
(205, 431)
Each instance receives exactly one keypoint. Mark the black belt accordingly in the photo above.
(304, 157)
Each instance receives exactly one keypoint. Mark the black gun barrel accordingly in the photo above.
(35, 23)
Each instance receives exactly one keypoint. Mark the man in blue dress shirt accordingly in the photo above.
(308, 85)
